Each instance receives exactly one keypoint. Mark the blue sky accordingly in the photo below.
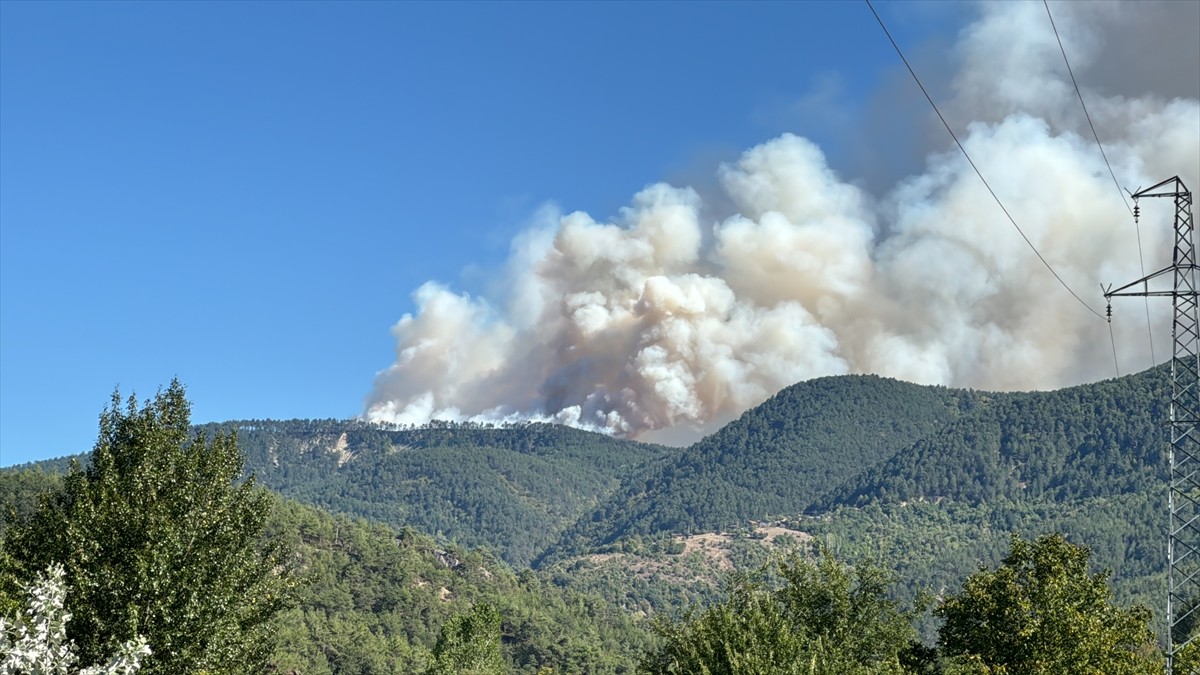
(244, 195)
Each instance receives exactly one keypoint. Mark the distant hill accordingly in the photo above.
(781, 457)
(929, 481)
(1094, 440)
(513, 489)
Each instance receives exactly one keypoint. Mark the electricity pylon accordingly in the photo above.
(1183, 494)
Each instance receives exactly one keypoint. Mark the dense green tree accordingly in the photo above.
(793, 616)
(36, 642)
(159, 537)
(375, 597)
(469, 644)
(1041, 611)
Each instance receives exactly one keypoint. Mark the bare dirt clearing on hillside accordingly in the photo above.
(714, 548)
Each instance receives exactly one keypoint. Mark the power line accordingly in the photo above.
(1136, 224)
(1113, 340)
(1088, 115)
(972, 163)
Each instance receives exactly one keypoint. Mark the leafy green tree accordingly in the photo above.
(469, 644)
(36, 643)
(793, 616)
(159, 537)
(1042, 612)
(1187, 659)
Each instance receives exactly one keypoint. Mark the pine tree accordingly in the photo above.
(159, 536)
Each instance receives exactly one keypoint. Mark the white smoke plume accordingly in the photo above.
(663, 325)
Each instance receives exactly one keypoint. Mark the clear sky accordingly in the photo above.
(245, 195)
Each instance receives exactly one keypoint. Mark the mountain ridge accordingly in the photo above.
(826, 453)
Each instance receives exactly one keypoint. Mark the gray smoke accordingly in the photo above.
(664, 326)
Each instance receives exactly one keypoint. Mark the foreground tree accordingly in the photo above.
(159, 537)
(1042, 612)
(795, 616)
(37, 644)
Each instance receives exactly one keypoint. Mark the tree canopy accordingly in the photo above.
(469, 644)
(793, 615)
(1041, 611)
(36, 642)
(159, 536)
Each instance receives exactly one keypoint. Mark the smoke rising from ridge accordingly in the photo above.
(662, 323)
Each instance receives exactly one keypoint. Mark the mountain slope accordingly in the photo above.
(1094, 440)
(780, 457)
(378, 597)
(374, 598)
(513, 489)
(926, 480)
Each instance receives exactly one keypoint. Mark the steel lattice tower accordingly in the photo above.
(1183, 495)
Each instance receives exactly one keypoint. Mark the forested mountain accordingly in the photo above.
(374, 598)
(1095, 440)
(1087, 461)
(512, 488)
(928, 480)
(855, 440)
(778, 458)
(379, 596)
(536, 492)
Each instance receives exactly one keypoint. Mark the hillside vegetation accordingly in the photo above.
(575, 538)
(378, 598)
(1097, 440)
(513, 489)
(374, 598)
(778, 458)
(1087, 461)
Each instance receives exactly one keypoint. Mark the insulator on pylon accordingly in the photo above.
(1137, 210)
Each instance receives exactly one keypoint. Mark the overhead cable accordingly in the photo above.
(976, 168)
(1137, 226)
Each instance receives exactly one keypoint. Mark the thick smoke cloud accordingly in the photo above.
(664, 325)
